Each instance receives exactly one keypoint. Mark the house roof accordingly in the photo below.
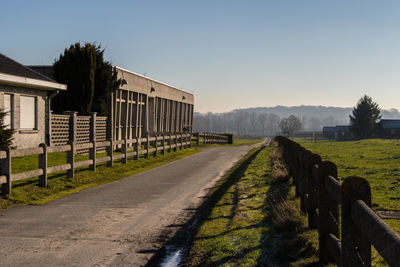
(390, 124)
(9, 66)
(14, 73)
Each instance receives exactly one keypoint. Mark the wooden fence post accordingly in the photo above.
(6, 171)
(93, 150)
(328, 215)
(204, 138)
(189, 139)
(181, 147)
(298, 174)
(176, 142)
(169, 142)
(147, 145)
(302, 180)
(163, 145)
(311, 190)
(43, 166)
(136, 157)
(110, 150)
(155, 146)
(125, 151)
(356, 249)
(198, 139)
(71, 160)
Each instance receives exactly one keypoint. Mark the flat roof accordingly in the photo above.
(154, 80)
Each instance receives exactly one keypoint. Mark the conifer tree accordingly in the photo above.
(105, 82)
(76, 68)
(365, 116)
(89, 77)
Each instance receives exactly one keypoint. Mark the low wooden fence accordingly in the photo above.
(213, 138)
(129, 148)
(321, 193)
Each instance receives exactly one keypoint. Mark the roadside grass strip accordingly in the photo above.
(27, 192)
(252, 219)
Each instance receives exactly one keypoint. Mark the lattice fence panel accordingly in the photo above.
(59, 130)
(101, 131)
(82, 132)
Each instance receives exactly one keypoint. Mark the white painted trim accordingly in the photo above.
(31, 83)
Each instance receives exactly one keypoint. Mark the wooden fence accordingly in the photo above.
(129, 148)
(321, 193)
(213, 138)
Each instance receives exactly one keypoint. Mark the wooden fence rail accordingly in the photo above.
(213, 138)
(321, 194)
(130, 148)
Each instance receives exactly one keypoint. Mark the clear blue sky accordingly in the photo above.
(230, 54)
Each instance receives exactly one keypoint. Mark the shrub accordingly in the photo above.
(5, 134)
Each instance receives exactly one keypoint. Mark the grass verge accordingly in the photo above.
(26, 192)
(252, 219)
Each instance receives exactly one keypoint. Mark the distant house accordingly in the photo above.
(342, 133)
(388, 128)
(25, 94)
(329, 132)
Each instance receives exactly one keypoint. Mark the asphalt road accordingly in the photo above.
(119, 224)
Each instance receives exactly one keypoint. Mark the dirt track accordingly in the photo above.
(120, 224)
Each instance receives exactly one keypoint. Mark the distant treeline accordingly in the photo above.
(265, 121)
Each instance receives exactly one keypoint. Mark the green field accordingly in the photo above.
(377, 160)
(243, 224)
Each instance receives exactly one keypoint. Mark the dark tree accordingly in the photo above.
(364, 118)
(5, 134)
(290, 125)
(105, 82)
(76, 68)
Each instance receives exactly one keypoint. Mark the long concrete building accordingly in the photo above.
(142, 105)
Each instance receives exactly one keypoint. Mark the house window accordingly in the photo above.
(8, 110)
(28, 112)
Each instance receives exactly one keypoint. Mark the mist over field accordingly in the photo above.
(264, 121)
